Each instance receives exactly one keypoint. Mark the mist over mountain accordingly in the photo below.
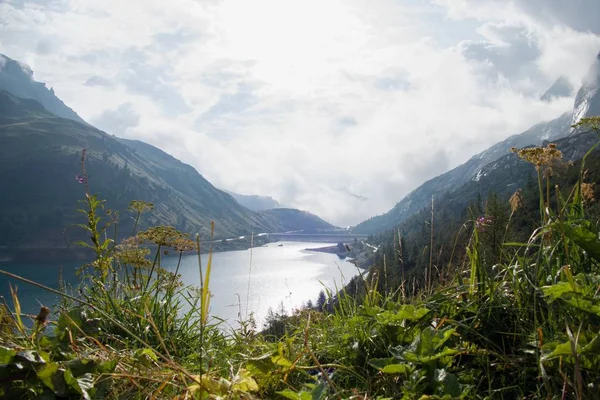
(40, 157)
(561, 88)
(17, 78)
(587, 103)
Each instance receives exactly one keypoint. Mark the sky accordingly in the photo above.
(337, 107)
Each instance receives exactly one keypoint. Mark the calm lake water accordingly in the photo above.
(285, 274)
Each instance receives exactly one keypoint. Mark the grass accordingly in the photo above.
(525, 327)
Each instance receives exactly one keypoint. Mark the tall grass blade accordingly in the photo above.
(205, 301)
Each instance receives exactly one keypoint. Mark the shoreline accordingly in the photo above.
(360, 253)
(74, 254)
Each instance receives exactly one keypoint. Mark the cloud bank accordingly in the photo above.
(339, 107)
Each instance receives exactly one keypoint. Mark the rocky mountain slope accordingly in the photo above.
(40, 158)
(587, 101)
(472, 170)
(290, 219)
(254, 202)
(17, 78)
(587, 104)
(41, 141)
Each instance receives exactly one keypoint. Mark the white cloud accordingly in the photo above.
(310, 102)
(118, 120)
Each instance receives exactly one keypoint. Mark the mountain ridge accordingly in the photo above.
(470, 170)
(255, 202)
(587, 100)
(40, 156)
(587, 103)
(17, 78)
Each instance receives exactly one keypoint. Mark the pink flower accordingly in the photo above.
(482, 222)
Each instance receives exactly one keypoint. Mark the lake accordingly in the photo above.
(281, 273)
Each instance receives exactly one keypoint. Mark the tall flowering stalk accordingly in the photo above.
(101, 248)
(546, 160)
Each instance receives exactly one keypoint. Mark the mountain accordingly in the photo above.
(41, 141)
(254, 202)
(472, 170)
(561, 88)
(290, 219)
(17, 78)
(40, 157)
(587, 101)
(496, 161)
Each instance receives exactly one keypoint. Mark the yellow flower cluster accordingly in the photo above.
(540, 156)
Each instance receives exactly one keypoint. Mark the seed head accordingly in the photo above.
(140, 206)
(546, 158)
(42, 316)
(516, 200)
(184, 244)
(587, 192)
(161, 235)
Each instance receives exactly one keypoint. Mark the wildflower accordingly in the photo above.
(168, 279)
(133, 256)
(140, 206)
(516, 201)
(482, 222)
(591, 122)
(80, 179)
(184, 244)
(161, 235)
(541, 157)
(587, 192)
(129, 253)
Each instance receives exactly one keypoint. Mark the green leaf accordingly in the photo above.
(557, 290)
(406, 312)
(389, 366)
(447, 352)
(290, 394)
(79, 367)
(518, 244)
(593, 347)
(45, 342)
(584, 237)
(554, 349)
(279, 358)
(557, 350)
(244, 382)
(396, 369)
(73, 317)
(448, 382)
(82, 385)
(46, 373)
(7, 355)
(145, 356)
(565, 292)
(318, 391)
(107, 367)
(430, 341)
